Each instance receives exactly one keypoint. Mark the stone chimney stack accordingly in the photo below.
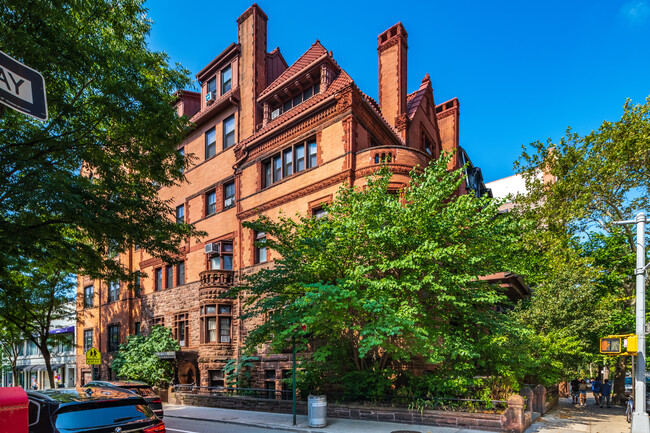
(251, 35)
(392, 47)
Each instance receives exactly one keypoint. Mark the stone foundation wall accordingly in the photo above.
(514, 420)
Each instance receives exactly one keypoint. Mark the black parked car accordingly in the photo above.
(139, 388)
(90, 410)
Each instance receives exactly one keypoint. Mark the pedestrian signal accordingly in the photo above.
(626, 344)
(611, 346)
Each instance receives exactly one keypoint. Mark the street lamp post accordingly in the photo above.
(640, 420)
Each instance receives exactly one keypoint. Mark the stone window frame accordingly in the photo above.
(275, 168)
(113, 291)
(158, 321)
(210, 146)
(226, 249)
(182, 318)
(227, 135)
(226, 197)
(88, 343)
(89, 296)
(169, 276)
(261, 253)
(222, 310)
(157, 279)
(228, 82)
(180, 273)
(113, 337)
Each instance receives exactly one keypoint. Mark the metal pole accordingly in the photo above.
(294, 380)
(640, 420)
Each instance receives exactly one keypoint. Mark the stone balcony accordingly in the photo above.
(214, 283)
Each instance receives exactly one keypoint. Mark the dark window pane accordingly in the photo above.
(158, 279)
(268, 176)
(288, 162)
(181, 152)
(287, 106)
(316, 88)
(169, 277)
(227, 247)
(227, 263)
(226, 79)
(297, 99)
(180, 214)
(229, 131)
(307, 93)
(300, 158)
(211, 203)
(89, 295)
(212, 85)
(210, 143)
(311, 155)
(277, 168)
(180, 273)
(229, 194)
(224, 329)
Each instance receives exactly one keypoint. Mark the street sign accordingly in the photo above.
(22, 88)
(166, 355)
(93, 357)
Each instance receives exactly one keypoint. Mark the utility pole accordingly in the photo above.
(640, 420)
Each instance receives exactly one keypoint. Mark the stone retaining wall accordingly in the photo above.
(513, 420)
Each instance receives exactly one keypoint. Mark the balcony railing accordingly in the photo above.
(217, 278)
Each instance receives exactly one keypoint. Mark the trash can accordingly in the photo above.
(317, 410)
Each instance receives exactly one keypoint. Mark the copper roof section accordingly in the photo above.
(315, 52)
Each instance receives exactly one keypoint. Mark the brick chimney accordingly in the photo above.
(392, 46)
(251, 35)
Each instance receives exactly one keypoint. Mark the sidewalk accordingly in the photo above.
(283, 421)
(567, 417)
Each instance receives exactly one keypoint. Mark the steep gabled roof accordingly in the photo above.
(338, 84)
(414, 99)
(314, 52)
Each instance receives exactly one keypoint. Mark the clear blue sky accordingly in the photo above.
(523, 71)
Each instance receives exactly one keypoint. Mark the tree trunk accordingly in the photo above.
(45, 351)
(619, 380)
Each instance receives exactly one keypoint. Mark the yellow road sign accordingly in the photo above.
(93, 357)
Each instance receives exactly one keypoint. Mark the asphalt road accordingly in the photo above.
(178, 425)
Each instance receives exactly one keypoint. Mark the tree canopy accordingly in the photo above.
(388, 278)
(83, 186)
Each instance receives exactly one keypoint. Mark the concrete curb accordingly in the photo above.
(250, 424)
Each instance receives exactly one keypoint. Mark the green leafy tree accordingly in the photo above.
(384, 280)
(46, 295)
(83, 185)
(137, 360)
(585, 281)
(11, 343)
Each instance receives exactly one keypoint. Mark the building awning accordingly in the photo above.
(23, 367)
(62, 330)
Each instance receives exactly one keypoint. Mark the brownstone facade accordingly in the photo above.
(268, 138)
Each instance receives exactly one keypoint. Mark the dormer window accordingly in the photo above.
(226, 79)
(296, 98)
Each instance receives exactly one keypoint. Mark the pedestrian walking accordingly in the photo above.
(595, 389)
(605, 392)
(575, 390)
(583, 392)
(34, 383)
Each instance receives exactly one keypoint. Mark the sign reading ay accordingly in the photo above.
(22, 88)
(93, 357)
